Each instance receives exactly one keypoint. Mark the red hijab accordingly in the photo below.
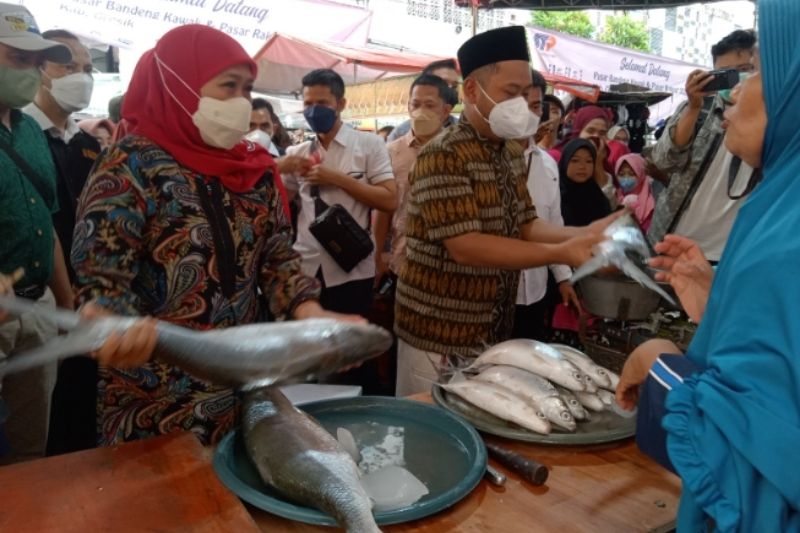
(196, 54)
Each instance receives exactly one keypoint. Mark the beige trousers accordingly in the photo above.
(415, 373)
(27, 394)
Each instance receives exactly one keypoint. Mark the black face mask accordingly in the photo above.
(733, 171)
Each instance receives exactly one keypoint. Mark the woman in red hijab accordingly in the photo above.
(183, 220)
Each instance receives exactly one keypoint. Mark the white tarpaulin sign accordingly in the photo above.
(607, 65)
(138, 24)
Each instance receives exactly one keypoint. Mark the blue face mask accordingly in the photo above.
(321, 119)
(627, 183)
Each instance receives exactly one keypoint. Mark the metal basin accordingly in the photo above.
(617, 297)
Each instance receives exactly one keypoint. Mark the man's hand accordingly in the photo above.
(577, 250)
(569, 296)
(130, 349)
(685, 267)
(636, 368)
(7, 283)
(381, 267)
(599, 226)
(293, 164)
(319, 175)
(695, 83)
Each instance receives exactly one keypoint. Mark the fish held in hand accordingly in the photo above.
(624, 236)
(294, 454)
(603, 377)
(536, 357)
(246, 357)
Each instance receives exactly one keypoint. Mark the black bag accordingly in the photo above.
(339, 233)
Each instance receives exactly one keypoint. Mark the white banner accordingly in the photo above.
(138, 24)
(606, 65)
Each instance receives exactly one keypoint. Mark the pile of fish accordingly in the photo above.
(296, 455)
(535, 385)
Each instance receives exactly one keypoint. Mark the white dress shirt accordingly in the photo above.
(360, 155)
(47, 125)
(545, 191)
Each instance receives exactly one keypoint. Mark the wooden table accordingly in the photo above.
(167, 484)
(612, 488)
(164, 484)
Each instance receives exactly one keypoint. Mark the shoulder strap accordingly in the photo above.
(44, 191)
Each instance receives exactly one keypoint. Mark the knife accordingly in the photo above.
(530, 470)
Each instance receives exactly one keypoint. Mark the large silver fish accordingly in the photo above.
(245, 357)
(294, 454)
(624, 235)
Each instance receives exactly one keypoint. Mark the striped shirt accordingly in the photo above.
(460, 184)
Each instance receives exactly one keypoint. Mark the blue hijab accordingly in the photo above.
(733, 430)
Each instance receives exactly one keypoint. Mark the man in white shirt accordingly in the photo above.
(543, 186)
(352, 169)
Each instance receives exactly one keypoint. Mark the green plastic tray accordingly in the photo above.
(442, 450)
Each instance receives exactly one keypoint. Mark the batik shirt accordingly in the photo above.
(460, 184)
(155, 238)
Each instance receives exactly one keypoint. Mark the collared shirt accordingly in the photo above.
(461, 183)
(74, 152)
(47, 125)
(26, 231)
(403, 153)
(543, 186)
(362, 156)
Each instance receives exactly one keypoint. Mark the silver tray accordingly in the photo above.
(606, 426)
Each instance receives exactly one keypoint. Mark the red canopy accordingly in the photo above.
(284, 60)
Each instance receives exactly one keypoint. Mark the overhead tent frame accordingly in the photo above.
(284, 60)
(569, 5)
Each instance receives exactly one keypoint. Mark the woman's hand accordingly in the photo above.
(7, 283)
(293, 164)
(685, 267)
(636, 368)
(312, 309)
(130, 349)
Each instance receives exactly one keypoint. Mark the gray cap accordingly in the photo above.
(18, 30)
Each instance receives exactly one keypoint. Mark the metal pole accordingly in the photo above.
(474, 17)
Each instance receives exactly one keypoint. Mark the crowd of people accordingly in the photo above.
(195, 206)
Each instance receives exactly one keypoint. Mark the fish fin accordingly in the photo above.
(589, 267)
(75, 343)
(63, 319)
(635, 273)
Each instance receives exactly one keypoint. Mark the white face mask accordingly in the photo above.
(72, 92)
(222, 123)
(510, 119)
(262, 138)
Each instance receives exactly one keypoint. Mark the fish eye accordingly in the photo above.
(601, 372)
(566, 416)
(541, 415)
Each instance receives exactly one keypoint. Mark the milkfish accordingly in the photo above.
(498, 401)
(294, 454)
(573, 404)
(245, 357)
(603, 377)
(624, 235)
(537, 357)
(537, 390)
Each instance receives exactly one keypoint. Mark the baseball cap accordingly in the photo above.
(18, 30)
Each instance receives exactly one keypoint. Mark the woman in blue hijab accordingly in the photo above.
(730, 424)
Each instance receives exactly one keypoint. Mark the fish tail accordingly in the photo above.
(60, 318)
(58, 348)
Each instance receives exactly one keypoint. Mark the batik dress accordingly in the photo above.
(155, 238)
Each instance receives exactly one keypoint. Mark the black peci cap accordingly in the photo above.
(493, 46)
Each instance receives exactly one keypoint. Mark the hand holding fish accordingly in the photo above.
(599, 226)
(636, 368)
(578, 250)
(130, 349)
(7, 283)
(685, 267)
